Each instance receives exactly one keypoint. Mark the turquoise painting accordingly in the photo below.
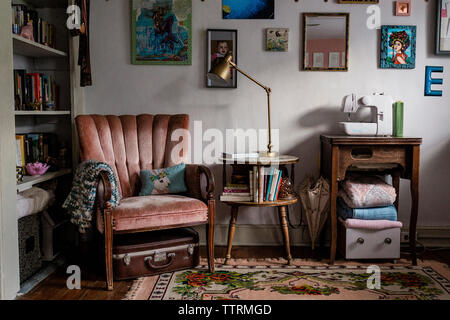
(162, 32)
(248, 9)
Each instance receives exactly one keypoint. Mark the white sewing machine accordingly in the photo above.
(381, 104)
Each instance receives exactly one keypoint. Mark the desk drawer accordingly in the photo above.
(370, 244)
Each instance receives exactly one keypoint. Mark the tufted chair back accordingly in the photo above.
(130, 144)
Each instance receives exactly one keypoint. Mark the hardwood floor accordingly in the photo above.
(93, 283)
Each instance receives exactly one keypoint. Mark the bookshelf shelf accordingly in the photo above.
(42, 113)
(279, 203)
(30, 181)
(28, 48)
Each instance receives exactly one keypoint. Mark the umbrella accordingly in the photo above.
(316, 203)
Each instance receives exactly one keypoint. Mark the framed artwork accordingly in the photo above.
(219, 43)
(248, 9)
(277, 39)
(161, 32)
(443, 27)
(326, 41)
(398, 47)
(403, 8)
(358, 1)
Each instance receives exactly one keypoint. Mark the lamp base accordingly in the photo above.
(268, 154)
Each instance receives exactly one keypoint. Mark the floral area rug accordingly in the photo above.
(267, 281)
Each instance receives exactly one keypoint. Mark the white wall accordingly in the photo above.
(306, 104)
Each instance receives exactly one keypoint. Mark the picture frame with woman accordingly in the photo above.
(398, 47)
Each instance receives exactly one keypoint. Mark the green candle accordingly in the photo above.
(398, 118)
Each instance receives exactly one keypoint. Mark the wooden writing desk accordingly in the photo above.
(399, 157)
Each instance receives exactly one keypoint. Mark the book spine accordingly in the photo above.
(273, 184)
(251, 183)
(255, 184)
(277, 190)
(261, 184)
(269, 183)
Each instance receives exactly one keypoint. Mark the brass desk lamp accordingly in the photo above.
(222, 73)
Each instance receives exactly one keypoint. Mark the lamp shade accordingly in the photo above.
(221, 72)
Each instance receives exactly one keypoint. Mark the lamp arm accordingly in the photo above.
(268, 91)
(250, 77)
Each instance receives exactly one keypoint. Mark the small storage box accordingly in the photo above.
(29, 249)
(156, 252)
(369, 244)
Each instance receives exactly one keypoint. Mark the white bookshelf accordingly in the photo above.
(42, 113)
(30, 181)
(32, 49)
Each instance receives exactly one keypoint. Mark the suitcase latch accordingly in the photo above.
(190, 250)
(127, 260)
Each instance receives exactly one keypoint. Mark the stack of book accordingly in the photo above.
(35, 147)
(43, 32)
(265, 184)
(236, 192)
(35, 91)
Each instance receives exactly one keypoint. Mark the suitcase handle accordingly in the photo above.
(149, 261)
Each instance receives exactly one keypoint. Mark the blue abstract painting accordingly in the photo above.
(162, 32)
(248, 9)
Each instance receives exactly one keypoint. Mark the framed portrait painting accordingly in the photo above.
(219, 43)
(161, 32)
(443, 27)
(398, 47)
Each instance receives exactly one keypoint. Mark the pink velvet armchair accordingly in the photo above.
(130, 144)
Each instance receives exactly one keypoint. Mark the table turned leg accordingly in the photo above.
(231, 232)
(334, 192)
(285, 229)
(415, 203)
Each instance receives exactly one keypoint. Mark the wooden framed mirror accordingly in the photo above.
(326, 41)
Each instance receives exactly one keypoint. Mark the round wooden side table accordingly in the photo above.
(282, 161)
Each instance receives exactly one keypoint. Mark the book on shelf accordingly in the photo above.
(235, 198)
(35, 91)
(21, 151)
(277, 190)
(36, 147)
(273, 185)
(43, 31)
(226, 155)
(263, 186)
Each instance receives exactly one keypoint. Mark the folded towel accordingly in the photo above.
(33, 201)
(367, 192)
(378, 213)
(371, 224)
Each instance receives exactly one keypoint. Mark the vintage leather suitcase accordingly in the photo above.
(156, 252)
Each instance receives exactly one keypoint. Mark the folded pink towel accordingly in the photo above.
(371, 224)
(367, 192)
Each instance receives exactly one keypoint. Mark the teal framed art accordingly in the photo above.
(398, 47)
(161, 32)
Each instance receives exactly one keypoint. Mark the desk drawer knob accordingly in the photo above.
(388, 240)
(360, 240)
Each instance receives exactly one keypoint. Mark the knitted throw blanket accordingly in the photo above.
(81, 200)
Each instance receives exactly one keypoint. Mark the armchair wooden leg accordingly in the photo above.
(109, 248)
(210, 235)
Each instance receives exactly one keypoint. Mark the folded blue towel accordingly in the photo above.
(379, 213)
